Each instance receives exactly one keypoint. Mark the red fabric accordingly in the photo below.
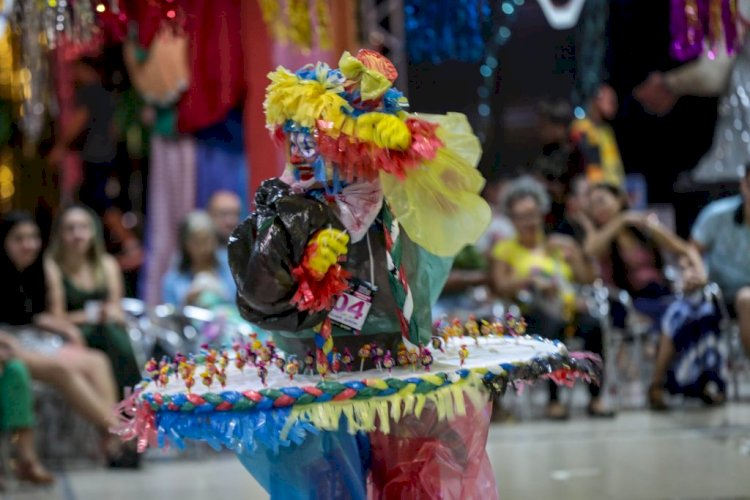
(423, 458)
(215, 53)
(262, 154)
(315, 293)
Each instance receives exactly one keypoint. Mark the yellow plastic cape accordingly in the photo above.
(438, 204)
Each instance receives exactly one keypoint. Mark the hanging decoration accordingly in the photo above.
(697, 25)
(562, 15)
(295, 21)
(443, 30)
(505, 17)
(590, 52)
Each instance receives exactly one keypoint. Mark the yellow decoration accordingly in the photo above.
(372, 84)
(300, 27)
(330, 245)
(438, 204)
(323, 28)
(373, 414)
(308, 101)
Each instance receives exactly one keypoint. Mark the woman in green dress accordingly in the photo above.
(17, 415)
(88, 288)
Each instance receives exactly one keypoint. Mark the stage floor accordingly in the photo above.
(692, 453)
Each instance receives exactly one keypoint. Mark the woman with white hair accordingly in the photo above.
(538, 272)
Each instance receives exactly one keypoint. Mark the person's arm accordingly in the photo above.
(56, 318)
(583, 271)
(461, 279)
(112, 310)
(599, 240)
(504, 281)
(705, 77)
(665, 239)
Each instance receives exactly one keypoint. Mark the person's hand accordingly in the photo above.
(544, 286)
(73, 335)
(654, 95)
(9, 346)
(565, 246)
(113, 313)
(325, 249)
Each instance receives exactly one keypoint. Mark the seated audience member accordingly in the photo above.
(540, 273)
(225, 209)
(576, 223)
(722, 234)
(198, 278)
(17, 416)
(87, 289)
(82, 375)
(594, 140)
(688, 358)
(629, 246)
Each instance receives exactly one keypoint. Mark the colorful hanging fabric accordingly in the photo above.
(442, 30)
(299, 22)
(700, 24)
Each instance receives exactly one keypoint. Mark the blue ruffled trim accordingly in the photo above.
(238, 431)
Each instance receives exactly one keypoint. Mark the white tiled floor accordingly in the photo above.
(689, 455)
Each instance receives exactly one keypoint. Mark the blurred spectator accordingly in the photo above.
(558, 162)
(82, 375)
(87, 288)
(688, 358)
(595, 139)
(629, 245)
(540, 273)
(576, 222)
(722, 234)
(17, 416)
(225, 209)
(198, 278)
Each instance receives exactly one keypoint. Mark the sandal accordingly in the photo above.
(656, 398)
(556, 411)
(34, 473)
(595, 410)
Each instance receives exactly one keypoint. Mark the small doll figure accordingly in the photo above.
(207, 378)
(221, 376)
(521, 326)
(292, 367)
(413, 357)
(485, 328)
(472, 328)
(457, 329)
(347, 359)
(239, 360)
(262, 372)
(152, 368)
(437, 343)
(271, 346)
(321, 363)
(224, 360)
(211, 356)
(189, 381)
(365, 352)
(251, 357)
(336, 362)
(510, 321)
(426, 359)
(265, 355)
(377, 354)
(463, 353)
(309, 363)
(401, 356)
(279, 362)
(164, 374)
(498, 328)
(388, 361)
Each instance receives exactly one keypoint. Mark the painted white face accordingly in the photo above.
(562, 16)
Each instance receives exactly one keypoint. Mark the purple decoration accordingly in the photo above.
(689, 29)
